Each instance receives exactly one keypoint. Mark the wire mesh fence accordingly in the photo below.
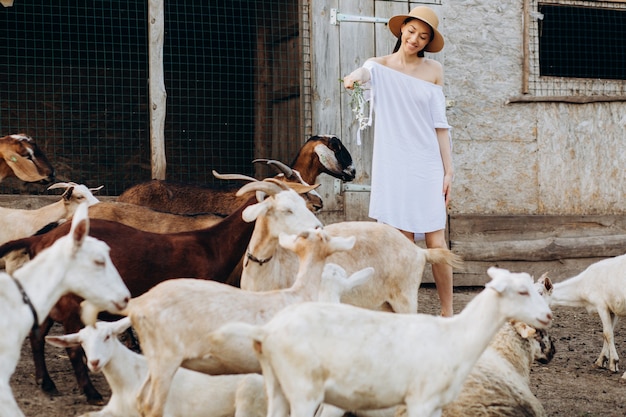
(74, 76)
(577, 48)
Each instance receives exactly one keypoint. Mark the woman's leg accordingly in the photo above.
(442, 273)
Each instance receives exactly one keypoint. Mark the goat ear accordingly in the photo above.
(498, 284)
(545, 280)
(67, 195)
(524, 330)
(251, 213)
(80, 225)
(361, 277)
(121, 325)
(23, 168)
(65, 341)
(287, 241)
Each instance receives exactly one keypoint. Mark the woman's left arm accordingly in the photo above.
(445, 148)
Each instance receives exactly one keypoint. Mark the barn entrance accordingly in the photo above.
(74, 74)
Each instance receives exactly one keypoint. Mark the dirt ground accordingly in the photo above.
(568, 386)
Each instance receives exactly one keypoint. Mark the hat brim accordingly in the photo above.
(395, 26)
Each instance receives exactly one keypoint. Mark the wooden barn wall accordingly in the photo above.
(525, 172)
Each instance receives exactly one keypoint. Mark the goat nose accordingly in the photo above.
(94, 363)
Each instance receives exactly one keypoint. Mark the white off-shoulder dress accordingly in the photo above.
(407, 169)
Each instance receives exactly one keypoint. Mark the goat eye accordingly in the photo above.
(107, 337)
(99, 262)
(523, 292)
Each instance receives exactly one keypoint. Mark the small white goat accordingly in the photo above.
(399, 263)
(76, 263)
(193, 394)
(192, 307)
(19, 223)
(354, 358)
(600, 288)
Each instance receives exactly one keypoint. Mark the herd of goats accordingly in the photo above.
(243, 304)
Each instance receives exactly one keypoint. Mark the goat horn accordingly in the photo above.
(279, 166)
(269, 188)
(97, 188)
(233, 177)
(296, 186)
(60, 185)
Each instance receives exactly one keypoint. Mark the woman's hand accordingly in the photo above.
(348, 82)
(359, 75)
(447, 187)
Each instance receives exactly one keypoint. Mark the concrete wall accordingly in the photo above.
(523, 158)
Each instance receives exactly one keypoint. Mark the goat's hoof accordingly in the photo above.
(50, 389)
(93, 397)
(95, 401)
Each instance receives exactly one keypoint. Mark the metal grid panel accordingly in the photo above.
(73, 74)
(546, 84)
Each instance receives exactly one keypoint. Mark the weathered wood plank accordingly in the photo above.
(561, 245)
(542, 249)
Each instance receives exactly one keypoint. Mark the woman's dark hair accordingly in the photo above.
(399, 41)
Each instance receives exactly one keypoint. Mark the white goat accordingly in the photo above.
(498, 385)
(354, 358)
(75, 263)
(193, 394)
(19, 223)
(399, 263)
(600, 288)
(192, 307)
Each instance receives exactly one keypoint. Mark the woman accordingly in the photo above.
(412, 160)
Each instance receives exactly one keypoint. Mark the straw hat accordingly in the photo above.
(426, 15)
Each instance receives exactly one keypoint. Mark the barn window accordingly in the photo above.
(582, 42)
(74, 75)
(574, 51)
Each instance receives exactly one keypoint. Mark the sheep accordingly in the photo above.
(498, 385)
(18, 223)
(398, 263)
(189, 308)
(21, 157)
(75, 263)
(600, 288)
(354, 359)
(145, 259)
(320, 154)
(193, 394)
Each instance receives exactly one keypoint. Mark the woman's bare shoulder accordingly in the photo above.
(382, 60)
(436, 69)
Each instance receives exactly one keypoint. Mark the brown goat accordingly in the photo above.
(21, 157)
(149, 220)
(320, 154)
(143, 259)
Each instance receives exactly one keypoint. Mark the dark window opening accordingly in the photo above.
(582, 42)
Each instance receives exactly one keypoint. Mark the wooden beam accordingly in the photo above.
(565, 99)
(158, 95)
(553, 248)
